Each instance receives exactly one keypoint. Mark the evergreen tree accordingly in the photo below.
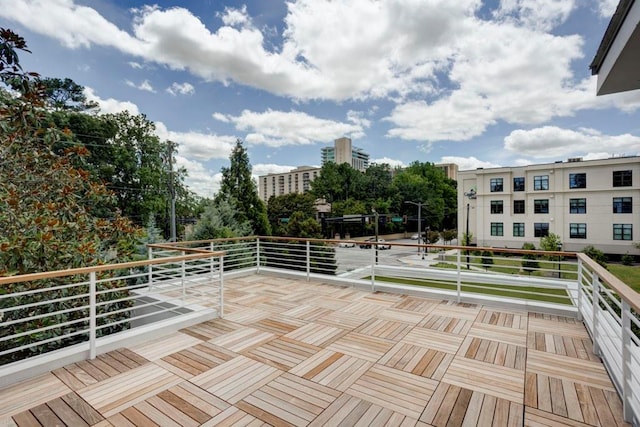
(239, 187)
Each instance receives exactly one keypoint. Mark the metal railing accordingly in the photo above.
(46, 312)
(610, 312)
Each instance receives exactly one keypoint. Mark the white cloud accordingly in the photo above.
(468, 163)
(200, 179)
(536, 14)
(607, 7)
(185, 88)
(267, 168)
(197, 145)
(135, 65)
(391, 162)
(553, 142)
(281, 128)
(145, 86)
(110, 105)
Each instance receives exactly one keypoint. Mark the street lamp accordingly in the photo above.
(419, 205)
(471, 194)
(375, 215)
(559, 259)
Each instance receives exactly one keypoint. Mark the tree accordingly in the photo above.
(302, 226)
(449, 235)
(529, 261)
(219, 221)
(487, 259)
(285, 206)
(595, 254)
(239, 187)
(65, 94)
(550, 242)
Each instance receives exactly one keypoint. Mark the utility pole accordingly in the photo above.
(419, 205)
(172, 191)
(471, 195)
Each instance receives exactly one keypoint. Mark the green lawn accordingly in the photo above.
(629, 274)
(557, 296)
(548, 268)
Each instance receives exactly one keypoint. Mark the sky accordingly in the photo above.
(476, 83)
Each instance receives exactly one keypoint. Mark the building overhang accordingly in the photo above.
(617, 61)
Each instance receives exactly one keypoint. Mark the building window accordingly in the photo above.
(541, 206)
(518, 183)
(497, 207)
(578, 230)
(540, 229)
(518, 206)
(622, 178)
(578, 206)
(541, 182)
(622, 205)
(622, 231)
(518, 229)
(577, 180)
(497, 229)
(496, 185)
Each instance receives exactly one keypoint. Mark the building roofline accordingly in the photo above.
(552, 164)
(622, 10)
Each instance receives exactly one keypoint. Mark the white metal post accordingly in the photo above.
(595, 289)
(150, 276)
(258, 254)
(308, 260)
(92, 315)
(221, 276)
(580, 278)
(183, 274)
(627, 393)
(459, 275)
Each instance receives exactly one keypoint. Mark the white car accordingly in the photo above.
(382, 245)
(414, 236)
(347, 244)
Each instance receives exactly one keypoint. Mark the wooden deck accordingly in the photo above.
(289, 352)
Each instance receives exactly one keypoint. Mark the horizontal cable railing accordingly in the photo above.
(611, 313)
(49, 311)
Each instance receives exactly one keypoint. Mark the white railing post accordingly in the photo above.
(595, 290)
(373, 268)
(627, 393)
(221, 276)
(308, 260)
(580, 278)
(459, 276)
(92, 315)
(150, 276)
(258, 255)
(183, 276)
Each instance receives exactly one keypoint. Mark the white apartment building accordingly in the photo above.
(296, 181)
(344, 152)
(595, 202)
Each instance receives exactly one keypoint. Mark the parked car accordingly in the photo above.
(366, 244)
(381, 244)
(347, 244)
(415, 236)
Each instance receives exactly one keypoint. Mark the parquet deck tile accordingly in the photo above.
(399, 391)
(417, 360)
(316, 334)
(124, 390)
(158, 348)
(242, 339)
(236, 379)
(349, 410)
(211, 329)
(278, 324)
(283, 353)
(293, 352)
(498, 381)
(288, 400)
(451, 405)
(428, 338)
(342, 320)
(332, 369)
(451, 325)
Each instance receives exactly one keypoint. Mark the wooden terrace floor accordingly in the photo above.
(289, 352)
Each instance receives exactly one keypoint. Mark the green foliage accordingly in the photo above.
(239, 187)
(65, 94)
(449, 235)
(219, 220)
(627, 259)
(529, 261)
(486, 259)
(349, 207)
(467, 238)
(550, 243)
(431, 236)
(596, 254)
(300, 225)
(48, 218)
(284, 207)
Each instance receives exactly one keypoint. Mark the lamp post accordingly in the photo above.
(419, 205)
(471, 195)
(559, 258)
(375, 215)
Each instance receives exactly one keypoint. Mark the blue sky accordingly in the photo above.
(478, 83)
